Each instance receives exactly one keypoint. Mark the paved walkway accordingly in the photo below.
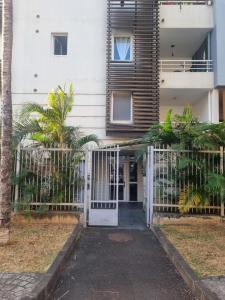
(115, 264)
(13, 286)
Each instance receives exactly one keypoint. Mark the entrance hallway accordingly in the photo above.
(132, 215)
(112, 264)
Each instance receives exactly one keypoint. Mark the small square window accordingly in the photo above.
(122, 48)
(60, 42)
(121, 107)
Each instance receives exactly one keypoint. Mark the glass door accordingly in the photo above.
(128, 180)
(133, 181)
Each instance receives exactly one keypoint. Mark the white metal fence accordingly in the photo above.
(49, 178)
(171, 173)
(186, 65)
(56, 179)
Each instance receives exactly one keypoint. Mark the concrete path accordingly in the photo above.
(115, 264)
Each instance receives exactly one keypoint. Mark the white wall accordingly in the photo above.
(188, 16)
(206, 108)
(84, 66)
(165, 108)
(188, 80)
(201, 109)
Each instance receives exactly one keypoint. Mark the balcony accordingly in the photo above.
(186, 74)
(186, 14)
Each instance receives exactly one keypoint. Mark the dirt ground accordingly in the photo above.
(33, 247)
(201, 242)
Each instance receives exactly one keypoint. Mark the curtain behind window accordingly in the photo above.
(122, 48)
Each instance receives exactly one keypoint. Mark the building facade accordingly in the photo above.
(129, 61)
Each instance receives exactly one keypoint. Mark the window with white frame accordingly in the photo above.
(122, 48)
(121, 108)
(60, 44)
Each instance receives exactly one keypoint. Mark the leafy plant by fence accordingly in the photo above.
(48, 179)
(187, 181)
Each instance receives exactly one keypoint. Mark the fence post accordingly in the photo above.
(150, 185)
(221, 172)
(86, 187)
(17, 173)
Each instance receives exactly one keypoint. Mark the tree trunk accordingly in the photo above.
(6, 142)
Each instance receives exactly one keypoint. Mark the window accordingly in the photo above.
(60, 42)
(121, 107)
(122, 48)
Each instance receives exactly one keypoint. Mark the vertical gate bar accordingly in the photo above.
(106, 178)
(50, 176)
(117, 179)
(99, 199)
(92, 181)
(16, 200)
(163, 175)
(86, 187)
(167, 179)
(154, 176)
(114, 175)
(102, 178)
(221, 172)
(110, 173)
(94, 177)
(148, 188)
(65, 172)
(70, 182)
(37, 185)
(151, 185)
(34, 182)
(212, 168)
(203, 176)
(53, 176)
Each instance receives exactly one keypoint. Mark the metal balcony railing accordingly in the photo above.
(186, 2)
(186, 65)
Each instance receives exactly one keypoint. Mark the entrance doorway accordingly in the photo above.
(128, 180)
(131, 213)
(114, 188)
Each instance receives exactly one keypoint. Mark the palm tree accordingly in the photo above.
(47, 125)
(6, 136)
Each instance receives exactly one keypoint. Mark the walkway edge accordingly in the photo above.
(49, 279)
(197, 287)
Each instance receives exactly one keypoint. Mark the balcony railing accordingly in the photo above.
(186, 2)
(186, 65)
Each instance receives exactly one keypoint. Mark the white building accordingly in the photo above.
(130, 61)
(186, 58)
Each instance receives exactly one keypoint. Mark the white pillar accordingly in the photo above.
(213, 106)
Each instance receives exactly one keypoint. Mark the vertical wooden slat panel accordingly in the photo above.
(141, 76)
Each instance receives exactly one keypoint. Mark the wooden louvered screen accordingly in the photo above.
(140, 18)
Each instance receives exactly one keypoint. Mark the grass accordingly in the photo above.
(33, 247)
(201, 242)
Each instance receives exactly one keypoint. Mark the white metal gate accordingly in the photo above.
(102, 187)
